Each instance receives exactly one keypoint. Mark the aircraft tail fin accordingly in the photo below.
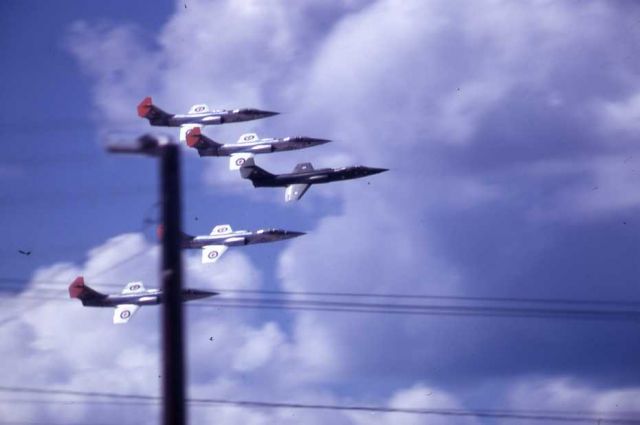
(185, 130)
(303, 166)
(249, 170)
(79, 290)
(185, 238)
(195, 139)
(155, 115)
(145, 107)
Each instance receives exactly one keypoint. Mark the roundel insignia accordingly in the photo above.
(249, 137)
(125, 314)
(199, 109)
(239, 161)
(213, 254)
(134, 287)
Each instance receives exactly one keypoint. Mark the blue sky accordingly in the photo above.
(510, 130)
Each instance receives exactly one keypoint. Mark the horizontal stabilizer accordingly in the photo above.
(211, 253)
(144, 107)
(186, 129)
(295, 191)
(123, 313)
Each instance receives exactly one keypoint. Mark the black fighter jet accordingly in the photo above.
(303, 176)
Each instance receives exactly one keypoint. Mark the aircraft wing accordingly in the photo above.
(237, 159)
(123, 313)
(211, 253)
(295, 191)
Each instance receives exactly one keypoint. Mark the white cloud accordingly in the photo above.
(259, 348)
(622, 115)
(418, 396)
(62, 344)
(420, 87)
(565, 394)
(600, 186)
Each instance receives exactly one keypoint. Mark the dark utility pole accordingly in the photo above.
(173, 380)
(173, 383)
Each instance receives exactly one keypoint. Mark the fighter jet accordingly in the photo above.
(198, 115)
(246, 146)
(129, 301)
(222, 237)
(303, 176)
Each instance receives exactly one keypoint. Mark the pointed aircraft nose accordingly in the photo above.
(371, 170)
(312, 141)
(196, 294)
(265, 114)
(291, 234)
(279, 234)
(248, 115)
(257, 113)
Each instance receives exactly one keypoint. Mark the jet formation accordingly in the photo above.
(133, 296)
(241, 154)
(241, 157)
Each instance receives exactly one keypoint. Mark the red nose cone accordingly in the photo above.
(193, 137)
(76, 287)
(144, 107)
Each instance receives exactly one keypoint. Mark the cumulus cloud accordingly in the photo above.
(418, 396)
(496, 122)
(622, 115)
(61, 344)
(569, 395)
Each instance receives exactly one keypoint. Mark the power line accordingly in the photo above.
(433, 310)
(137, 403)
(405, 310)
(461, 310)
(55, 423)
(523, 300)
(106, 192)
(486, 413)
(117, 264)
